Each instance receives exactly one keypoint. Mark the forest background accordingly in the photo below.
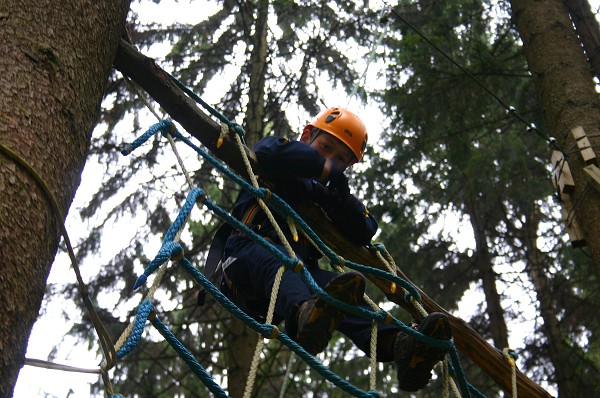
(462, 187)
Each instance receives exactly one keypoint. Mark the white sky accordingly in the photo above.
(51, 329)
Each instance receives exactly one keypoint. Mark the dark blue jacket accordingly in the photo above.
(294, 168)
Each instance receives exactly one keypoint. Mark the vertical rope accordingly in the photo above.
(276, 285)
(445, 381)
(374, 306)
(261, 342)
(390, 264)
(262, 204)
(373, 357)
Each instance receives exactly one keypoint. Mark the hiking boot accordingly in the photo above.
(317, 319)
(415, 359)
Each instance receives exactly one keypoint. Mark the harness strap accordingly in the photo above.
(211, 268)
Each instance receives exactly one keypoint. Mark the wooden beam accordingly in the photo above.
(583, 143)
(576, 235)
(594, 173)
(181, 108)
(562, 178)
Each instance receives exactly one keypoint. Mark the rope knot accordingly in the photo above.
(126, 150)
(299, 266)
(177, 253)
(274, 333)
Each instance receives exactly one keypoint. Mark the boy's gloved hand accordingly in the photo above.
(320, 194)
(338, 184)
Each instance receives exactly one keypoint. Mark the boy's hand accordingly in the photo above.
(338, 183)
(320, 193)
(328, 169)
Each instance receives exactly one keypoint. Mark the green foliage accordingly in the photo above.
(453, 149)
(449, 151)
(307, 58)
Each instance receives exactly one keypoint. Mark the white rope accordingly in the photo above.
(56, 366)
(261, 342)
(275, 290)
(163, 267)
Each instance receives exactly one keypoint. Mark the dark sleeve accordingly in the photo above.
(348, 215)
(351, 218)
(281, 158)
(292, 165)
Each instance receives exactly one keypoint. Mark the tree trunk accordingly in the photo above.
(242, 340)
(255, 112)
(55, 58)
(575, 375)
(588, 31)
(483, 262)
(564, 84)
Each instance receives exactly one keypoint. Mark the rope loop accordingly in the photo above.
(143, 312)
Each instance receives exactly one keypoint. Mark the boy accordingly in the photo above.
(312, 170)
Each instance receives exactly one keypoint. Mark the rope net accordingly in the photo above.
(171, 250)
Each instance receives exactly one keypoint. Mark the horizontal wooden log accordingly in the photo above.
(181, 108)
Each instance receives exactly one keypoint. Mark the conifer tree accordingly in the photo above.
(457, 152)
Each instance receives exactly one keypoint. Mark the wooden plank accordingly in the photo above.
(157, 83)
(594, 173)
(578, 132)
(576, 234)
(583, 143)
(561, 174)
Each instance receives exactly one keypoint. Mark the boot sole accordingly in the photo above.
(324, 317)
(415, 373)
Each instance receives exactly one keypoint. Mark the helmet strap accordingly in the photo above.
(314, 133)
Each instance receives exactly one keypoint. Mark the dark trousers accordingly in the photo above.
(252, 276)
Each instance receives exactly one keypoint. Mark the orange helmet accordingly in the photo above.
(345, 126)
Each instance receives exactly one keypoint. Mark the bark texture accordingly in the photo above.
(55, 58)
(567, 93)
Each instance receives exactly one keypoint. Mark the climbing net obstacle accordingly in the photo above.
(172, 250)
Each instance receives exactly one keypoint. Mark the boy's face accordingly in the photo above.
(333, 150)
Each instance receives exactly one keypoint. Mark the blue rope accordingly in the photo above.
(462, 381)
(189, 359)
(238, 129)
(143, 311)
(269, 331)
(164, 126)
